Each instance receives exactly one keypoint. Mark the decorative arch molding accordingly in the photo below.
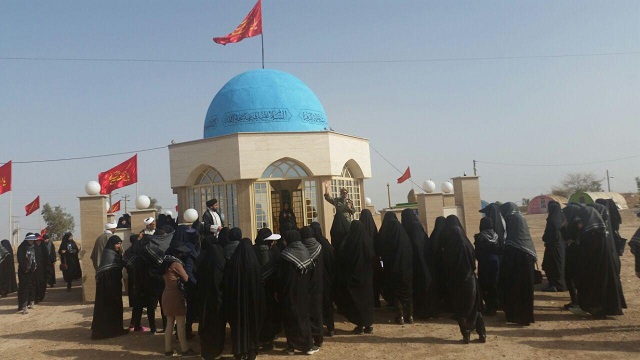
(286, 168)
(353, 168)
(202, 172)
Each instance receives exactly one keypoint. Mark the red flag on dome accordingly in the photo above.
(119, 176)
(249, 27)
(405, 176)
(5, 177)
(33, 206)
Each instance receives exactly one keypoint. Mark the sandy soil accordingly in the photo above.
(60, 328)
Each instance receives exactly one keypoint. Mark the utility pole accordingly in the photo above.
(475, 172)
(389, 195)
(126, 199)
(608, 182)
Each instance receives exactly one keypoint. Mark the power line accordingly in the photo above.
(389, 61)
(555, 165)
(88, 157)
(393, 166)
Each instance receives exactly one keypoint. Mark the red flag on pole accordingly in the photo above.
(5, 177)
(33, 206)
(114, 208)
(249, 27)
(44, 231)
(119, 176)
(405, 176)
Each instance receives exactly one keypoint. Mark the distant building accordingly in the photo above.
(591, 197)
(538, 205)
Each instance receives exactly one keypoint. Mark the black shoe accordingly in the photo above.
(358, 330)
(290, 351)
(466, 337)
(400, 320)
(483, 338)
(331, 333)
(368, 329)
(410, 320)
(549, 289)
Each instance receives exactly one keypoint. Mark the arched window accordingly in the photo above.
(210, 184)
(284, 169)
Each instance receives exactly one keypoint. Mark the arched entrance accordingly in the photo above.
(285, 181)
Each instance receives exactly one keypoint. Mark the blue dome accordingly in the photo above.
(264, 101)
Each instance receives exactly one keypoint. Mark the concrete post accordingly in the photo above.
(449, 200)
(467, 195)
(430, 206)
(137, 219)
(93, 217)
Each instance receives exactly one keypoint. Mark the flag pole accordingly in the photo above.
(262, 42)
(11, 218)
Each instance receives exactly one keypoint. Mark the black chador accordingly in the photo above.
(355, 278)
(51, 269)
(466, 300)
(268, 255)
(243, 299)
(69, 261)
(315, 284)
(437, 273)
(107, 310)
(487, 252)
(599, 289)
(26, 272)
(294, 279)
(554, 248)
(42, 259)
(328, 276)
(339, 230)
(424, 302)
(211, 329)
(394, 248)
(8, 283)
(517, 267)
(376, 264)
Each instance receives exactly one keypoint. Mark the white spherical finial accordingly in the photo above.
(190, 215)
(429, 186)
(143, 202)
(92, 188)
(446, 187)
(367, 201)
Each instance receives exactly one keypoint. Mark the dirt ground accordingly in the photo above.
(59, 328)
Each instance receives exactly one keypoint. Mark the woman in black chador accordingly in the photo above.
(517, 267)
(268, 255)
(437, 274)
(294, 279)
(315, 283)
(370, 227)
(211, 328)
(487, 251)
(599, 289)
(8, 283)
(243, 300)
(339, 230)
(69, 263)
(424, 302)
(107, 310)
(328, 276)
(356, 279)
(554, 248)
(394, 248)
(287, 219)
(26, 273)
(459, 266)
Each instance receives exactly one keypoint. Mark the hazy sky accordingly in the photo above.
(432, 84)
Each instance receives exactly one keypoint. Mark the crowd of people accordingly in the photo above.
(292, 283)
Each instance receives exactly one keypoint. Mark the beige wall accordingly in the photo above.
(93, 218)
